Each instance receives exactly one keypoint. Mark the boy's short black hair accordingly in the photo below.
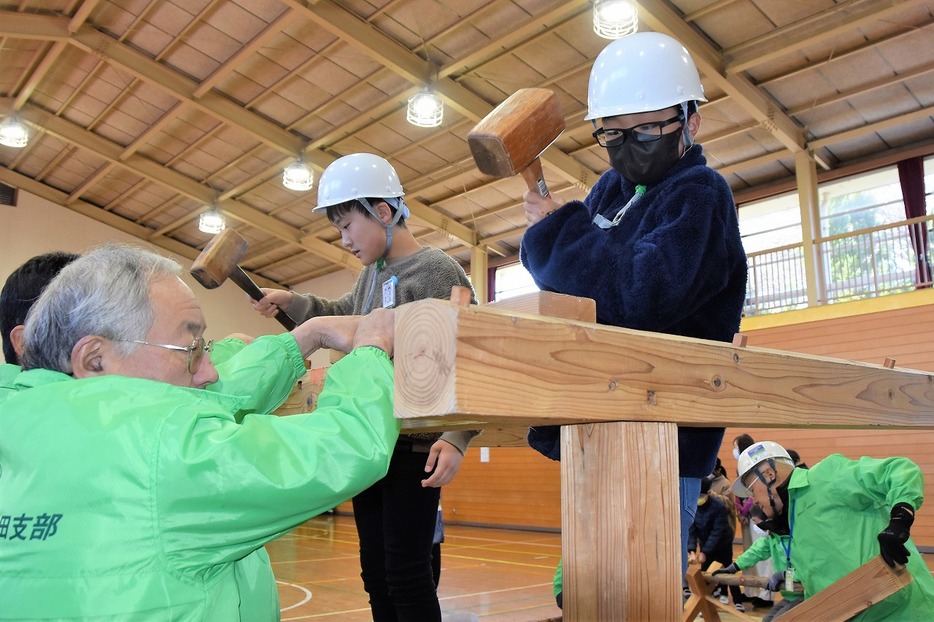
(338, 211)
(21, 290)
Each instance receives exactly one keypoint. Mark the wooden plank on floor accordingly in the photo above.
(851, 594)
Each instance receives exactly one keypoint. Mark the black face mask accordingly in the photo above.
(777, 525)
(646, 163)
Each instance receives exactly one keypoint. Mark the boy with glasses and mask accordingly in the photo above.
(656, 243)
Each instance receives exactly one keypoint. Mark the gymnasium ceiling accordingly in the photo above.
(143, 113)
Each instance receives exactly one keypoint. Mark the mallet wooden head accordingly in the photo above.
(509, 140)
(219, 259)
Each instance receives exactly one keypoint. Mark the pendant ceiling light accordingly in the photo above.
(614, 19)
(425, 110)
(298, 176)
(13, 133)
(212, 221)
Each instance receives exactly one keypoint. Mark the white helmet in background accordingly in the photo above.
(358, 176)
(641, 72)
(766, 451)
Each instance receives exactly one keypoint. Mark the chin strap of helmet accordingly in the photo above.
(768, 483)
(686, 137)
(402, 211)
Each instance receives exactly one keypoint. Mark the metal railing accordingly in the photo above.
(867, 263)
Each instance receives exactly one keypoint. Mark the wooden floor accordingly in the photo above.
(493, 575)
(488, 575)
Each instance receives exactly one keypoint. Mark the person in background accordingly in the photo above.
(656, 242)
(740, 443)
(20, 292)
(838, 515)
(139, 488)
(797, 459)
(710, 538)
(363, 198)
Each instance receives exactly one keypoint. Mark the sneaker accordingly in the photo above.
(761, 603)
(725, 600)
(740, 608)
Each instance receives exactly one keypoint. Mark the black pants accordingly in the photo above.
(396, 523)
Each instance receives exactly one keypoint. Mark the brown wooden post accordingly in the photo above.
(620, 522)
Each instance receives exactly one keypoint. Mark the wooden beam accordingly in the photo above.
(851, 594)
(480, 367)
(548, 304)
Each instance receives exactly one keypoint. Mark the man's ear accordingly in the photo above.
(87, 357)
(16, 340)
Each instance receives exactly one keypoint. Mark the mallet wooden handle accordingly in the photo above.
(535, 178)
(737, 579)
(243, 280)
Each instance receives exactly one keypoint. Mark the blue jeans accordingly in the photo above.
(689, 488)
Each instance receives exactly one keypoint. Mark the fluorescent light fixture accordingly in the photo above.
(13, 133)
(212, 221)
(613, 19)
(298, 176)
(425, 110)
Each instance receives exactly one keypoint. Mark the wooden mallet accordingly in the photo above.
(219, 261)
(510, 139)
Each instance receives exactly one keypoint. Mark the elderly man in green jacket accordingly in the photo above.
(127, 491)
(839, 514)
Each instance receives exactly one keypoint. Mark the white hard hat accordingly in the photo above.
(357, 176)
(641, 72)
(754, 454)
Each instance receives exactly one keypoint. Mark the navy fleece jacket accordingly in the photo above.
(675, 264)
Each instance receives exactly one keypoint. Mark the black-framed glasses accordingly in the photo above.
(644, 133)
(198, 348)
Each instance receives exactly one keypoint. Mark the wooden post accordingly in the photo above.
(620, 522)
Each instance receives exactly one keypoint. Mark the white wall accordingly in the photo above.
(36, 226)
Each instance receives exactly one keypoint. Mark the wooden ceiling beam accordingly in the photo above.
(838, 19)
(255, 44)
(661, 17)
(49, 59)
(112, 152)
(93, 212)
(421, 72)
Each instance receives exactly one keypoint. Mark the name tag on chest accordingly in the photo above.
(389, 292)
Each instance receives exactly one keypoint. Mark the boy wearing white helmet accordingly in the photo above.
(838, 515)
(656, 242)
(363, 198)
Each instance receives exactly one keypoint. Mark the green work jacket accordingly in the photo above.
(837, 509)
(128, 499)
(770, 547)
